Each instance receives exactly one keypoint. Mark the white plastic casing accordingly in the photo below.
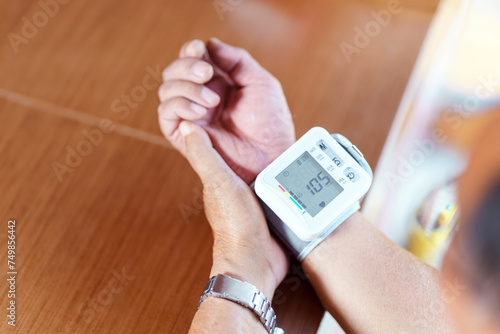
(305, 226)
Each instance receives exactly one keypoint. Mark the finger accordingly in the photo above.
(237, 62)
(170, 129)
(190, 69)
(193, 49)
(199, 94)
(205, 160)
(180, 107)
(174, 110)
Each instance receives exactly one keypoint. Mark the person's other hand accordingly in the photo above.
(243, 247)
(238, 103)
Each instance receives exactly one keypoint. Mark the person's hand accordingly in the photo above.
(237, 102)
(243, 247)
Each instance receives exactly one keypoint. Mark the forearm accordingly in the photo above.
(372, 284)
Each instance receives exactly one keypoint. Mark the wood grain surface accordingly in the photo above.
(114, 240)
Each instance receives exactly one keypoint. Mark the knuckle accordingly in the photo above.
(167, 127)
(274, 81)
(178, 102)
(180, 64)
(189, 88)
(164, 90)
(171, 105)
(161, 109)
(166, 86)
(174, 89)
(244, 53)
(166, 72)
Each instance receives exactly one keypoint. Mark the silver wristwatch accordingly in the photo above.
(245, 294)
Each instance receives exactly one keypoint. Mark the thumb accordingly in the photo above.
(205, 160)
(236, 62)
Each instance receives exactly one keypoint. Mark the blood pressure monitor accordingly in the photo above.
(311, 188)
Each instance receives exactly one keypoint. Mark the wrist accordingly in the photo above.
(245, 267)
(218, 315)
(334, 242)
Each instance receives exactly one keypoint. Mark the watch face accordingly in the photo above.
(310, 185)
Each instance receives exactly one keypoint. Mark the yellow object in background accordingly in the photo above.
(434, 225)
(430, 244)
(446, 217)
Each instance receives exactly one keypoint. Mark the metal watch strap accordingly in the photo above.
(245, 294)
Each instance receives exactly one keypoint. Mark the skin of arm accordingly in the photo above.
(240, 122)
(243, 247)
(371, 285)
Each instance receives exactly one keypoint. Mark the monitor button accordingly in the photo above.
(351, 174)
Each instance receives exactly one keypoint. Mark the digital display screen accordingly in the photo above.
(309, 184)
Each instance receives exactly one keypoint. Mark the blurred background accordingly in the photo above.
(111, 234)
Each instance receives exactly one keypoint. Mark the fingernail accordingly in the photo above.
(201, 69)
(209, 96)
(196, 48)
(198, 109)
(215, 40)
(185, 128)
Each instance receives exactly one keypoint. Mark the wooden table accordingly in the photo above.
(110, 231)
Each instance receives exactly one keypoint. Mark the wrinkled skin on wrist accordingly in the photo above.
(243, 247)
